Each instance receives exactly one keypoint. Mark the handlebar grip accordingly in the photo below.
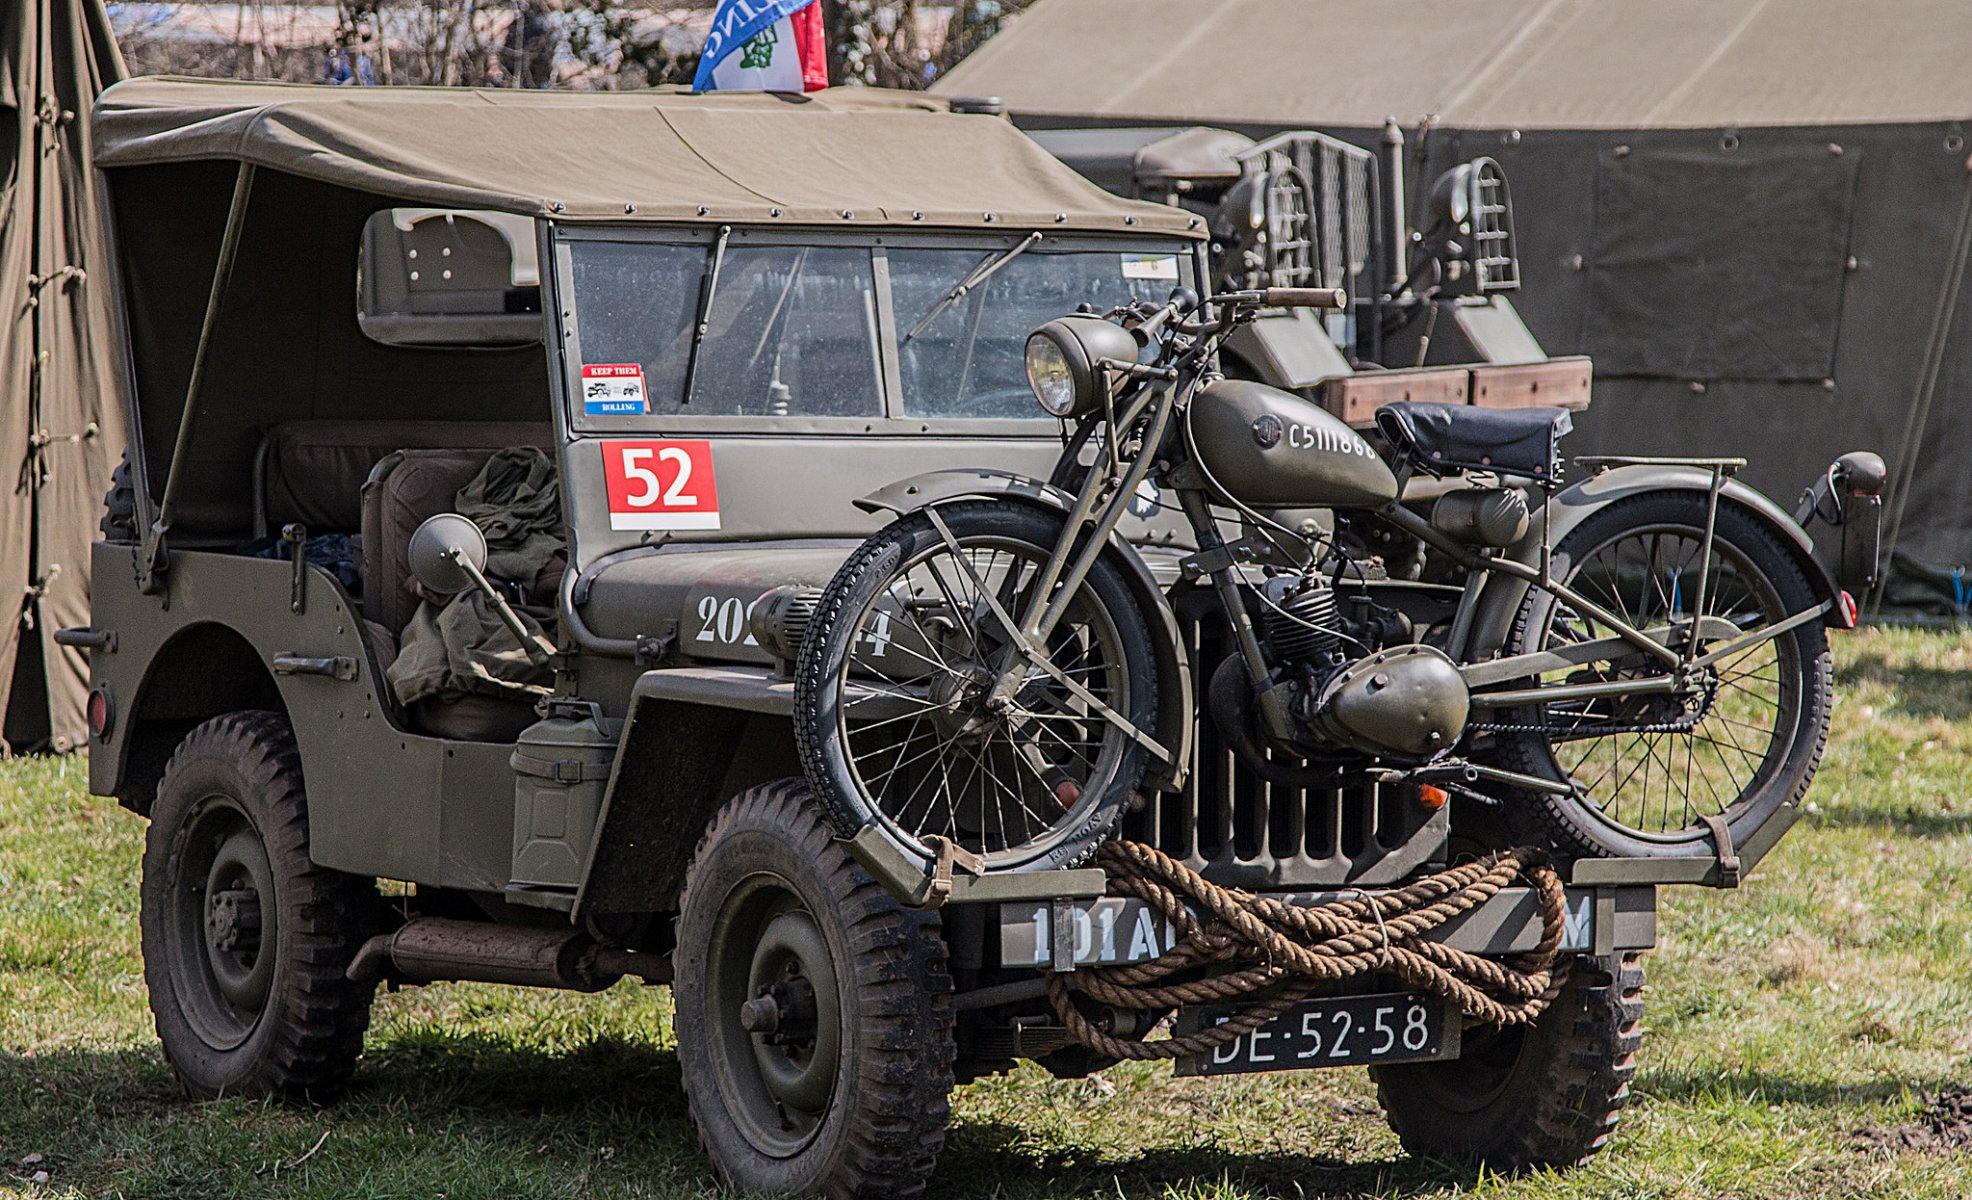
(1286, 297)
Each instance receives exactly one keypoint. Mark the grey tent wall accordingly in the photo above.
(61, 410)
(1899, 380)
(1876, 356)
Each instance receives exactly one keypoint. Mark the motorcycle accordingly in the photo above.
(1632, 665)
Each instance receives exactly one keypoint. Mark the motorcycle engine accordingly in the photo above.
(1388, 697)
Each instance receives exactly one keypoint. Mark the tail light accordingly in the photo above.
(101, 711)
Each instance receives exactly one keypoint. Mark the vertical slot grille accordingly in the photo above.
(1240, 830)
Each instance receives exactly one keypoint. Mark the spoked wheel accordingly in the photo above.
(916, 713)
(1739, 739)
(1542, 1095)
(245, 939)
(814, 1014)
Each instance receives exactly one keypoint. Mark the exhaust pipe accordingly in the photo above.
(434, 949)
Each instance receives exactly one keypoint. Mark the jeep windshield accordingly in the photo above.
(749, 327)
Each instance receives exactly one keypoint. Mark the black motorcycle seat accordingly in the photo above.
(1445, 439)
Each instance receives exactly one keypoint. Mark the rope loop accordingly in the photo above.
(1274, 955)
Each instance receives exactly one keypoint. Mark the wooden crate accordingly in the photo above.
(1355, 398)
(1557, 383)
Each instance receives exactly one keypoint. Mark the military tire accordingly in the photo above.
(1617, 812)
(850, 1096)
(119, 521)
(1548, 1095)
(864, 778)
(249, 996)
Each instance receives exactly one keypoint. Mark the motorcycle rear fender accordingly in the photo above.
(1174, 684)
(1500, 601)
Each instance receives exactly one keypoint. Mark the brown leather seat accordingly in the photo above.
(404, 489)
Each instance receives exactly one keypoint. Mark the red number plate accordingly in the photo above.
(661, 485)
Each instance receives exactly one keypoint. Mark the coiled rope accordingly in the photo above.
(1289, 951)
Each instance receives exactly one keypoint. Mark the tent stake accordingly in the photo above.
(155, 558)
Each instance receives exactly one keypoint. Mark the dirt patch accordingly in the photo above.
(1945, 1124)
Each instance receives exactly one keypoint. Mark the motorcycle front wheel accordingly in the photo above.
(896, 714)
(1642, 770)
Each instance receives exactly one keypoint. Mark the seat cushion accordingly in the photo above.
(313, 471)
(1445, 439)
(403, 490)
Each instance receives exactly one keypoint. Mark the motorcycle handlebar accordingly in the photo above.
(1289, 297)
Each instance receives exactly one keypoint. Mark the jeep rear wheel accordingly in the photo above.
(814, 1018)
(1545, 1095)
(245, 939)
(119, 520)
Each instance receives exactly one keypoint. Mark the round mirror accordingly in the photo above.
(436, 547)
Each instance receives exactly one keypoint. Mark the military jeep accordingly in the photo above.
(675, 354)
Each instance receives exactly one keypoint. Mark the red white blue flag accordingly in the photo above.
(765, 46)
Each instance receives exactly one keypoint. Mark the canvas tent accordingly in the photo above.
(61, 416)
(1754, 214)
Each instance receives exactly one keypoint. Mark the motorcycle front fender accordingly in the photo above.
(1501, 599)
(1176, 718)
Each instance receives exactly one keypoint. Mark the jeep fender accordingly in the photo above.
(1174, 687)
(1500, 601)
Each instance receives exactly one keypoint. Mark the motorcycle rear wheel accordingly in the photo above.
(891, 707)
(1743, 749)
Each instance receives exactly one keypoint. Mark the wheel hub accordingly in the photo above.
(783, 1013)
(232, 921)
(964, 712)
(773, 987)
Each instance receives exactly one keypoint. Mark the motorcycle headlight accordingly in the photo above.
(1064, 360)
(1048, 374)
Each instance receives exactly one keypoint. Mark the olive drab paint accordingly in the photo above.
(1272, 449)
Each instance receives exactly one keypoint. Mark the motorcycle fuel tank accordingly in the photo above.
(1272, 449)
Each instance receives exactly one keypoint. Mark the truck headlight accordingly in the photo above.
(1064, 362)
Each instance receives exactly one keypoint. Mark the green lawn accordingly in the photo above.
(1823, 997)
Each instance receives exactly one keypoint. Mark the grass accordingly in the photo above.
(1826, 995)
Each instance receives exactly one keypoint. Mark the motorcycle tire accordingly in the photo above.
(1034, 786)
(1750, 744)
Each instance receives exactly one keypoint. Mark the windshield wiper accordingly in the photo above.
(978, 275)
(701, 320)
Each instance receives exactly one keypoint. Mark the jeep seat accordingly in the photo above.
(313, 471)
(404, 489)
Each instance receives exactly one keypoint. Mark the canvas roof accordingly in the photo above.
(838, 157)
(1481, 64)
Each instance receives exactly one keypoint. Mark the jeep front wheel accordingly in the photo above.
(245, 939)
(1541, 1095)
(814, 1018)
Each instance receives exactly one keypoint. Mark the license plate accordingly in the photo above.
(1340, 1031)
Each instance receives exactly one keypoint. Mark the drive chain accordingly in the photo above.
(1288, 951)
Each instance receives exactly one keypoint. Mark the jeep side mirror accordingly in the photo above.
(448, 555)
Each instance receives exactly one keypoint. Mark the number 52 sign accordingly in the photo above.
(661, 485)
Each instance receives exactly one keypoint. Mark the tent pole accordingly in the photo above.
(154, 559)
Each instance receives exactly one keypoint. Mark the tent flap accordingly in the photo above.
(1683, 287)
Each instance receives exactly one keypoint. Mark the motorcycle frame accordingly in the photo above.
(1104, 496)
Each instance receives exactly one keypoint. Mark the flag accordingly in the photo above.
(765, 46)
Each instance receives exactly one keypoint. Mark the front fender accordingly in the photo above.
(1175, 714)
(1501, 599)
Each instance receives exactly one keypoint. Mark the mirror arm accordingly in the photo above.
(538, 648)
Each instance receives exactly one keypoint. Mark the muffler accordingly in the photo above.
(435, 949)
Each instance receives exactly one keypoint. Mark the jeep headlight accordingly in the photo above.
(1064, 362)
